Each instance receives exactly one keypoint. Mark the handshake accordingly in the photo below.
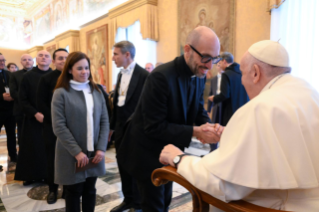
(208, 133)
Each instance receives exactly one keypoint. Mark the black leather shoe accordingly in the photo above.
(52, 197)
(135, 210)
(29, 182)
(123, 206)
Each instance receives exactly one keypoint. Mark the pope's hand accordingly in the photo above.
(168, 154)
(210, 133)
(211, 98)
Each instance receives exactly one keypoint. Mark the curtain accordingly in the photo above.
(145, 14)
(296, 25)
(274, 4)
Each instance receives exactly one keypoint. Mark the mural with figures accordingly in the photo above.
(96, 42)
(215, 14)
(52, 19)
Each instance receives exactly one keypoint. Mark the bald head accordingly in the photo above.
(43, 60)
(201, 42)
(149, 67)
(202, 34)
(26, 62)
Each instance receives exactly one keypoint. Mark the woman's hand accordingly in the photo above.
(99, 155)
(82, 159)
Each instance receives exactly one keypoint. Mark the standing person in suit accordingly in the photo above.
(171, 103)
(81, 124)
(44, 98)
(32, 162)
(15, 80)
(6, 110)
(232, 92)
(217, 108)
(127, 93)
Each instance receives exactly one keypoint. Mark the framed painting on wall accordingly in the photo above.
(219, 15)
(51, 49)
(97, 46)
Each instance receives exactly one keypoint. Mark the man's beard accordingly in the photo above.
(195, 68)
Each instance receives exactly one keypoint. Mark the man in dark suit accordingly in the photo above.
(15, 80)
(44, 98)
(217, 108)
(232, 93)
(171, 102)
(127, 93)
(6, 110)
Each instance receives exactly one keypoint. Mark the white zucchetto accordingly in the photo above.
(270, 52)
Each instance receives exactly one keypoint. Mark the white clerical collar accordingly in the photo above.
(79, 86)
(129, 69)
(273, 81)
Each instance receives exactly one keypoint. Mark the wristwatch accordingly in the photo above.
(178, 159)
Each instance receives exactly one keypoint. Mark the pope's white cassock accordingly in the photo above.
(269, 151)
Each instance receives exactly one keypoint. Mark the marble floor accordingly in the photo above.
(14, 197)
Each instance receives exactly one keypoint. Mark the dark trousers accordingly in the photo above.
(74, 192)
(129, 189)
(9, 123)
(50, 151)
(19, 121)
(155, 199)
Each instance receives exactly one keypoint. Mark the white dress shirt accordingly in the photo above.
(219, 77)
(125, 83)
(85, 88)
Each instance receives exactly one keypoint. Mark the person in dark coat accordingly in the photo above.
(171, 103)
(6, 110)
(15, 80)
(127, 93)
(232, 92)
(32, 161)
(44, 97)
(216, 115)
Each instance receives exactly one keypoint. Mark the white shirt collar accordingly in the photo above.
(129, 69)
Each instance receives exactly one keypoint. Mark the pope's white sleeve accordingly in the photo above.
(193, 169)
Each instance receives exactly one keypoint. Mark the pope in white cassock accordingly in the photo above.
(269, 150)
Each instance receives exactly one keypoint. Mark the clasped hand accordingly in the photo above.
(209, 133)
(83, 160)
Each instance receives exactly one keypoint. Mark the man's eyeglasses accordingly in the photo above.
(2, 61)
(206, 59)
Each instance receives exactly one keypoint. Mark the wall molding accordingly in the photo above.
(128, 6)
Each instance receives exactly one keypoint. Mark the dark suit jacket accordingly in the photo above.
(15, 80)
(216, 115)
(5, 106)
(121, 114)
(232, 93)
(161, 118)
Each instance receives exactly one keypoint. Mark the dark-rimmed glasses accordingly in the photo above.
(206, 59)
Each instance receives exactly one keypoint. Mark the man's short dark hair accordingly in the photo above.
(228, 57)
(126, 46)
(58, 50)
(0, 53)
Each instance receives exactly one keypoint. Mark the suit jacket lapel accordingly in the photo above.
(116, 91)
(215, 82)
(133, 83)
(183, 89)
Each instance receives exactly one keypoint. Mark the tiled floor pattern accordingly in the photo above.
(14, 197)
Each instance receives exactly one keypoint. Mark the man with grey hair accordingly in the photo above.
(232, 93)
(128, 89)
(269, 150)
(32, 163)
